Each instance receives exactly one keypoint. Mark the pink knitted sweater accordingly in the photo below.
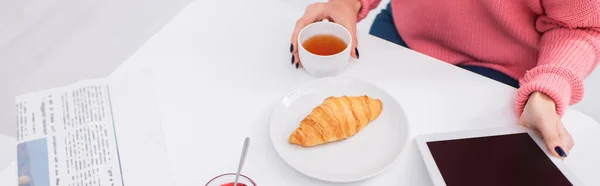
(550, 46)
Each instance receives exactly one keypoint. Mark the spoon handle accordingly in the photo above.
(242, 160)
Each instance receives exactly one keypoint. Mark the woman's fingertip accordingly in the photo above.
(291, 48)
(293, 59)
(357, 55)
(297, 64)
(560, 152)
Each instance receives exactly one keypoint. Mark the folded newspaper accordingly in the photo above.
(66, 136)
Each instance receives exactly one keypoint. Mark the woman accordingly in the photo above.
(550, 46)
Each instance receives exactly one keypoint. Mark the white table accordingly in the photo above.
(220, 65)
(8, 160)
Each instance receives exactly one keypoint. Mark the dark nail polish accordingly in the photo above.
(293, 59)
(560, 151)
(357, 56)
(291, 48)
(297, 64)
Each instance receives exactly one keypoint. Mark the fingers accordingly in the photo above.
(340, 12)
(347, 18)
(353, 48)
(565, 137)
(350, 25)
(540, 115)
(552, 138)
(312, 13)
(295, 59)
(553, 144)
(352, 29)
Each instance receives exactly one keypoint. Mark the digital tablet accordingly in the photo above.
(497, 156)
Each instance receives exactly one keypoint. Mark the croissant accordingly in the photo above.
(337, 118)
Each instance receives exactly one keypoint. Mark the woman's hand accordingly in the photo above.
(343, 12)
(540, 115)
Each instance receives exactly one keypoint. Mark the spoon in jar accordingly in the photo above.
(242, 159)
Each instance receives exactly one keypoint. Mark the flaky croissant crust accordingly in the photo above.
(337, 118)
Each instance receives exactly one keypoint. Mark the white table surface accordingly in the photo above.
(219, 66)
(8, 160)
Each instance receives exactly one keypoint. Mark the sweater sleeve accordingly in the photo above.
(569, 50)
(367, 5)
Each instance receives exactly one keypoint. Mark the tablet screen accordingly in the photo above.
(513, 159)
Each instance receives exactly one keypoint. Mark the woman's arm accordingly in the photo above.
(367, 5)
(363, 6)
(569, 51)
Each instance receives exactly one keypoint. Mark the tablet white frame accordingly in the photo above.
(435, 174)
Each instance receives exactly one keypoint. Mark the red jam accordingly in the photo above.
(231, 184)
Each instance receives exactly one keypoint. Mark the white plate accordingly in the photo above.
(366, 154)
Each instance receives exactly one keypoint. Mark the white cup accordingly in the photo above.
(319, 65)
